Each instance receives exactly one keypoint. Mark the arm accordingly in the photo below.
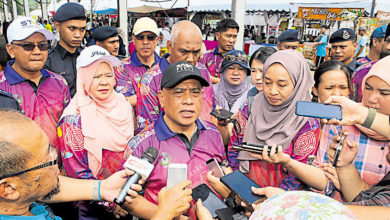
(141, 207)
(370, 212)
(125, 85)
(355, 113)
(359, 52)
(132, 100)
(215, 80)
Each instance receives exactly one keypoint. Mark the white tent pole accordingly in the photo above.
(238, 14)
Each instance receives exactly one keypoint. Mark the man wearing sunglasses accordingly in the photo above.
(145, 38)
(70, 22)
(226, 35)
(29, 173)
(42, 95)
(185, 45)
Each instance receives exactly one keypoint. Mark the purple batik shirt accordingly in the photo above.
(212, 59)
(148, 105)
(128, 80)
(43, 103)
(357, 80)
(171, 149)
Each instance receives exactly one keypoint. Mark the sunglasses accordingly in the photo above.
(150, 37)
(240, 59)
(52, 162)
(31, 46)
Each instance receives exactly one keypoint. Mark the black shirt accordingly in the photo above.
(352, 66)
(63, 62)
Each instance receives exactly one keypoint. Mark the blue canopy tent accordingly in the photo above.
(110, 11)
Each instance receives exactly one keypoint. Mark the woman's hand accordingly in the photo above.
(202, 212)
(119, 212)
(348, 152)
(217, 185)
(331, 173)
(273, 157)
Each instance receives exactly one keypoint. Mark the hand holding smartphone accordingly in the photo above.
(209, 199)
(253, 148)
(318, 110)
(215, 168)
(177, 172)
(338, 150)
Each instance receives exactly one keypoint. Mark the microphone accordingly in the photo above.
(142, 168)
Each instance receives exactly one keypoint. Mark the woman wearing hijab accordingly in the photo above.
(232, 91)
(95, 128)
(287, 79)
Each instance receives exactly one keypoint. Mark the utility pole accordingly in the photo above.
(372, 8)
(122, 13)
(26, 8)
(238, 14)
(14, 10)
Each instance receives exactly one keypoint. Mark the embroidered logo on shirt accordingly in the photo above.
(165, 159)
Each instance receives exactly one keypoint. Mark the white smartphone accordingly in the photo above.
(177, 172)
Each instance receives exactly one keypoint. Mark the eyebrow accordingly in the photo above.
(384, 90)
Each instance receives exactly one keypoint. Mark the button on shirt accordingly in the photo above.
(43, 103)
(129, 80)
(148, 105)
(171, 149)
(212, 59)
(63, 62)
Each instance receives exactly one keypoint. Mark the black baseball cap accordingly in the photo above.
(69, 11)
(104, 32)
(289, 35)
(179, 71)
(387, 31)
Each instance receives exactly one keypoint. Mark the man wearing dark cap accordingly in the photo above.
(178, 135)
(288, 39)
(107, 37)
(226, 35)
(377, 45)
(70, 22)
(362, 71)
(362, 44)
(343, 47)
(321, 43)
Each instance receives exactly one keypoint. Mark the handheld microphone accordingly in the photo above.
(142, 168)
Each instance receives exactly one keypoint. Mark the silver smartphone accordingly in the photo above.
(215, 168)
(177, 172)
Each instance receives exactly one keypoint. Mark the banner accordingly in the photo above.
(332, 14)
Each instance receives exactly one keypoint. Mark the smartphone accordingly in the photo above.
(253, 148)
(209, 200)
(338, 150)
(177, 172)
(215, 168)
(241, 186)
(318, 110)
(231, 213)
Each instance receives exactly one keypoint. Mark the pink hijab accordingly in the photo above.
(106, 124)
(381, 70)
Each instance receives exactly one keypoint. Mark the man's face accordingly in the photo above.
(323, 30)
(227, 39)
(110, 44)
(343, 51)
(288, 45)
(182, 103)
(71, 32)
(29, 61)
(386, 48)
(145, 44)
(185, 48)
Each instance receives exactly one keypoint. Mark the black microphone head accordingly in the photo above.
(150, 154)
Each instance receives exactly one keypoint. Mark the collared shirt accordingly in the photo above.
(128, 81)
(212, 59)
(357, 80)
(352, 66)
(148, 105)
(39, 211)
(43, 103)
(361, 44)
(370, 161)
(63, 62)
(171, 149)
(377, 195)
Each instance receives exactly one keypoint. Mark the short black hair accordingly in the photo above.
(379, 39)
(324, 26)
(226, 24)
(329, 66)
(262, 54)
(13, 158)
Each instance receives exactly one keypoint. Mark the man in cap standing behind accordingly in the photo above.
(145, 38)
(343, 48)
(108, 38)
(70, 22)
(288, 39)
(361, 48)
(377, 45)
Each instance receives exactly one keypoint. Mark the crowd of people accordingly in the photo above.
(70, 117)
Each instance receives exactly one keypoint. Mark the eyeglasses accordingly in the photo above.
(150, 37)
(31, 46)
(52, 162)
(232, 58)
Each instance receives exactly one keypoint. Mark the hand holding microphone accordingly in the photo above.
(142, 168)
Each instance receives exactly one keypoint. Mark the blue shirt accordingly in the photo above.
(321, 49)
(39, 213)
(362, 43)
